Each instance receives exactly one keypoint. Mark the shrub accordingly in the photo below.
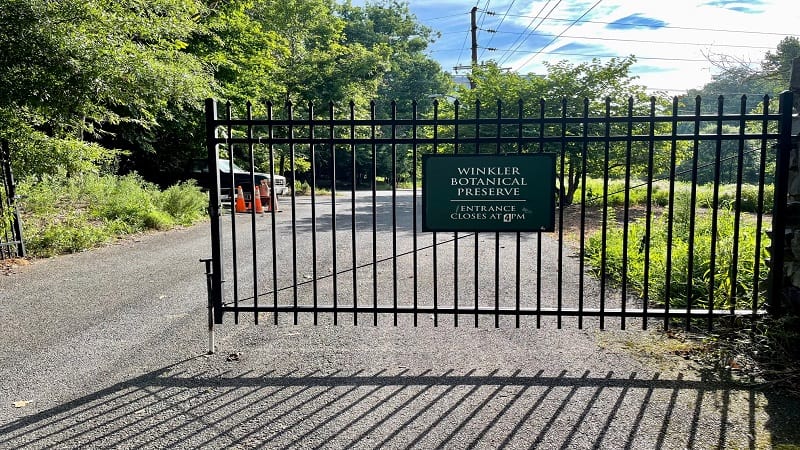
(301, 188)
(723, 291)
(184, 202)
(157, 220)
(64, 215)
(72, 234)
(637, 193)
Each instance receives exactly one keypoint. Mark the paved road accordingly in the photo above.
(108, 347)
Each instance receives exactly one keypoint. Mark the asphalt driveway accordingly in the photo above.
(106, 349)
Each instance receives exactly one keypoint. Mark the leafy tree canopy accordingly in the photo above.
(72, 67)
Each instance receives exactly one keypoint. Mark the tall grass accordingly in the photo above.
(70, 215)
(660, 194)
(735, 281)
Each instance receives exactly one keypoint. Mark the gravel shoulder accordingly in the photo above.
(106, 349)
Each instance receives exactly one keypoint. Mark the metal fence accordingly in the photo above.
(661, 216)
(11, 243)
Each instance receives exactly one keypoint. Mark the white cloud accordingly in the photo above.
(675, 48)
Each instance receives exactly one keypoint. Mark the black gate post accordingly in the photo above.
(779, 289)
(784, 290)
(214, 209)
(11, 193)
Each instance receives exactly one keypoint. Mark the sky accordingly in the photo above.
(672, 39)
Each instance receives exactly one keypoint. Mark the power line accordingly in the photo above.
(442, 17)
(463, 45)
(602, 56)
(445, 33)
(587, 55)
(643, 41)
(632, 24)
(485, 12)
(560, 34)
(520, 39)
(502, 19)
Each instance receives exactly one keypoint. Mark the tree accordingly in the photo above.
(75, 71)
(567, 86)
(409, 75)
(737, 77)
(389, 26)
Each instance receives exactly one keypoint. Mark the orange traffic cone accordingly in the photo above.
(265, 200)
(275, 205)
(240, 206)
(257, 201)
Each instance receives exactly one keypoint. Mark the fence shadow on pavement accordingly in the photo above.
(195, 405)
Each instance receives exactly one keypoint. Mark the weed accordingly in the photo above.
(637, 194)
(729, 281)
(68, 215)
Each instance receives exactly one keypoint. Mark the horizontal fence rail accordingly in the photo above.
(662, 215)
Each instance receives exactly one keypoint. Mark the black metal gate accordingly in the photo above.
(11, 243)
(662, 212)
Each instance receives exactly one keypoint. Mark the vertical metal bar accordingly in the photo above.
(497, 234)
(313, 210)
(604, 225)
(8, 202)
(475, 254)
(435, 241)
(293, 167)
(715, 214)
(734, 265)
(670, 213)
(455, 234)
(394, 208)
(539, 233)
(414, 202)
(518, 268)
(778, 245)
(210, 290)
(332, 144)
(353, 151)
(254, 199)
(648, 213)
(626, 213)
(760, 212)
(234, 193)
(582, 244)
(11, 197)
(561, 205)
(273, 223)
(692, 214)
(374, 215)
(214, 208)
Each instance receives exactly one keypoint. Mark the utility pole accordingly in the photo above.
(474, 17)
(474, 61)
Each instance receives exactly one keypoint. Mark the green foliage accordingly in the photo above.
(777, 67)
(35, 154)
(595, 88)
(726, 292)
(83, 78)
(69, 215)
(388, 27)
(184, 202)
(736, 78)
(301, 188)
(637, 194)
(72, 233)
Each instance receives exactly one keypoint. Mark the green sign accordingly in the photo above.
(511, 192)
